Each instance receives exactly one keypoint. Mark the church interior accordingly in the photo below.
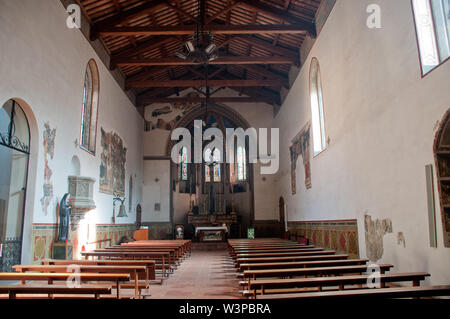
(122, 159)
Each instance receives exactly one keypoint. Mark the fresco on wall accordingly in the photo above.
(174, 112)
(300, 146)
(112, 167)
(374, 232)
(49, 151)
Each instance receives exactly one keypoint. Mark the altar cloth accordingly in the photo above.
(197, 229)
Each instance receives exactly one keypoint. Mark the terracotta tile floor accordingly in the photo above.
(203, 275)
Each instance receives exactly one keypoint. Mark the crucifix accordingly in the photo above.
(211, 163)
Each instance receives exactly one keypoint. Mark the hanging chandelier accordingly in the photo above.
(201, 48)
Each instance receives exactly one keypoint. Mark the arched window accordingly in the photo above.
(213, 161)
(90, 108)
(318, 125)
(183, 166)
(241, 164)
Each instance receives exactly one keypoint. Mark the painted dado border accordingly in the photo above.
(44, 234)
(340, 235)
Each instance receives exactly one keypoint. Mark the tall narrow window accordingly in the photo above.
(212, 160)
(241, 164)
(90, 108)
(318, 125)
(432, 20)
(183, 167)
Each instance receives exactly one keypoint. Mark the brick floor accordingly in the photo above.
(203, 275)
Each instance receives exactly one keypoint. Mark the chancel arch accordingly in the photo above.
(214, 188)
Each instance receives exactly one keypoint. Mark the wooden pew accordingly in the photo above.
(298, 285)
(162, 256)
(288, 254)
(299, 264)
(132, 270)
(280, 247)
(240, 261)
(318, 271)
(150, 264)
(275, 251)
(174, 254)
(290, 258)
(251, 275)
(184, 245)
(52, 277)
(397, 292)
(51, 290)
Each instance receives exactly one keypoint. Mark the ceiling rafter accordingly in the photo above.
(233, 60)
(214, 29)
(200, 83)
(257, 40)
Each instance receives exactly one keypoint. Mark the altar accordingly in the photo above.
(213, 227)
(212, 220)
(211, 234)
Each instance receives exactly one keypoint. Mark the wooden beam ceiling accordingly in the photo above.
(151, 100)
(233, 60)
(257, 42)
(200, 83)
(214, 29)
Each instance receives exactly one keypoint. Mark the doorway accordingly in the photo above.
(14, 159)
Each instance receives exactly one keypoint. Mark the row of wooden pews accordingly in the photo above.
(279, 269)
(104, 273)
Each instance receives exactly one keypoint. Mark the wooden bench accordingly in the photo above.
(289, 254)
(50, 278)
(289, 258)
(150, 264)
(397, 292)
(132, 270)
(276, 251)
(185, 245)
(282, 286)
(52, 290)
(274, 245)
(289, 272)
(251, 275)
(173, 258)
(157, 256)
(279, 247)
(298, 264)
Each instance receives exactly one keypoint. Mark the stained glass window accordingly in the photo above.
(241, 164)
(216, 167)
(182, 166)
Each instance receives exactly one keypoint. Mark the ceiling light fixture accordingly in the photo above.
(201, 48)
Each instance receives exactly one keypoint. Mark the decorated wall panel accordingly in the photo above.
(339, 235)
(112, 167)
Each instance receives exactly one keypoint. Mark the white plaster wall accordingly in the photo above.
(156, 190)
(381, 118)
(43, 62)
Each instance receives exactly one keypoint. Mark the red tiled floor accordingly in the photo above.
(203, 275)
